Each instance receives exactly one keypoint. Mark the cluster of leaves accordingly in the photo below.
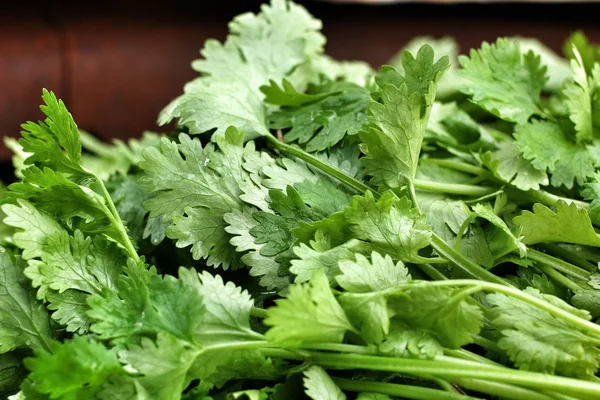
(313, 228)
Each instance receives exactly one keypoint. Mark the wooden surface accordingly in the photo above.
(117, 63)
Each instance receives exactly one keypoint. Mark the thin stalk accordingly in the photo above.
(501, 389)
(559, 278)
(558, 264)
(458, 166)
(486, 344)
(403, 391)
(258, 312)
(454, 188)
(340, 347)
(462, 262)
(546, 198)
(569, 256)
(462, 229)
(483, 198)
(432, 272)
(442, 369)
(115, 220)
(469, 356)
(312, 160)
(444, 385)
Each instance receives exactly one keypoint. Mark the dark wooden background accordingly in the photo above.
(117, 63)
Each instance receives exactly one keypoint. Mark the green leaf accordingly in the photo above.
(322, 196)
(547, 147)
(503, 81)
(558, 66)
(24, 320)
(578, 43)
(273, 230)
(588, 300)
(446, 217)
(6, 232)
(568, 224)
(193, 187)
(147, 303)
(510, 166)
(318, 385)
(591, 193)
(445, 46)
(443, 312)
(310, 313)
(53, 143)
(486, 212)
(74, 265)
(320, 255)
(403, 341)
(396, 125)
(163, 365)
(34, 227)
(70, 309)
(215, 366)
(322, 117)
(390, 225)
(267, 268)
(54, 193)
(260, 48)
(536, 341)
(379, 273)
(578, 99)
(226, 314)
(78, 262)
(75, 369)
(368, 312)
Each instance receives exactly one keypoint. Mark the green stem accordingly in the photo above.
(442, 369)
(403, 391)
(483, 198)
(569, 256)
(462, 262)
(340, 347)
(432, 272)
(458, 166)
(558, 264)
(312, 160)
(259, 312)
(454, 188)
(444, 385)
(559, 278)
(468, 356)
(486, 344)
(455, 257)
(501, 389)
(462, 229)
(115, 220)
(546, 198)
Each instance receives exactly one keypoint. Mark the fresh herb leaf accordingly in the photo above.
(396, 125)
(503, 81)
(309, 313)
(318, 385)
(545, 225)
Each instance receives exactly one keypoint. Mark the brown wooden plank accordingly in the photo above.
(29, 61)
(122, 73)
